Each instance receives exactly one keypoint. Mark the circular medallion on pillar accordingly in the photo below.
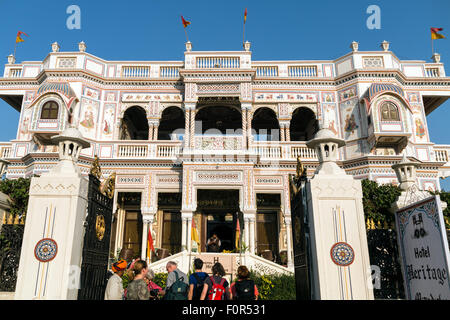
(45, 250)
(342, 254)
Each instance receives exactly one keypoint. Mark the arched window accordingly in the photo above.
(50, 110)
(389, 112)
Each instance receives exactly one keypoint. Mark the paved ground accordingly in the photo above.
(6, 295)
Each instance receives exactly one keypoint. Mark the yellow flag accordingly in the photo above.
(18, 38)
(194, 233)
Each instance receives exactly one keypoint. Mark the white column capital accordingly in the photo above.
(189, 106)
(246, 106)
(148, 219)
(187, 214)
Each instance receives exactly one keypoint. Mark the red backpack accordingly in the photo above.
(217, 290)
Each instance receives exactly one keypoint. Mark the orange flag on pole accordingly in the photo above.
(185, 22)
(238, 233)
(245, 15)
(150, 244)
(18, 38)
(435, 35)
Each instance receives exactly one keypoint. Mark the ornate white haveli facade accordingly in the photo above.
(197, 140)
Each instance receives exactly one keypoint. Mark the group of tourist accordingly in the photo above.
(198, 286)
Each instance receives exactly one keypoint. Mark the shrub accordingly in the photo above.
(160, 279)
(274, 287)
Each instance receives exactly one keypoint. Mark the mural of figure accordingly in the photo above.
(350, 124)
(420, 129)
(108, 120)
(88, 121)
(24, 127)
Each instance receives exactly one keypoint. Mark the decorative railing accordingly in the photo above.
(5, 151)
(269, 152)
(168, 151)
(169, 72)
(432, 72)
(15, 73)
(149, 149)
(218, 62)
(302, 71)
(132, 151)
(267, 71)
(442, 153)
(135, 71)
(302, 151)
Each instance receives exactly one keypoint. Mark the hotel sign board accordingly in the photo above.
(424, 250)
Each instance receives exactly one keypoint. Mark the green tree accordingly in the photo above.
(378, 199)
(18, 192)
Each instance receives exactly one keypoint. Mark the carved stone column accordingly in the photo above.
(249, 127)
(150, 130)
(252, 234)
(289, 249)
(187, 126)
(244, 129)
(282, 132)
(186, 223)
(155, 131)
(192, 129)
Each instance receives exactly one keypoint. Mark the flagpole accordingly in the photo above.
(243, 36)
(187, 38)
(15, 46)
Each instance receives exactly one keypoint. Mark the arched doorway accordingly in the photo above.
(304, 125)
(134, 125)
(172, 120)
(219, 119)
(265, 126)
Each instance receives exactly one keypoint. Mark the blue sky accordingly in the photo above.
(282, 30)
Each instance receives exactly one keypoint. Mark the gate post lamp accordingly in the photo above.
(70, 143)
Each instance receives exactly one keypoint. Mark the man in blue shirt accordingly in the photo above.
(196, 280)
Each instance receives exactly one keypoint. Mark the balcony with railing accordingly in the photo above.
(302, 71)
(432, 72)
(169, 72)
(218, 62)
(135, 71)
(267, 71)
(5, 150)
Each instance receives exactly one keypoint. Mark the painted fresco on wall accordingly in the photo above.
(327, 97)
(419, 128)
(88, 117)
(110, 96)
(347, 93)
(24, 127)
(108, 120)
(330, 117)
(350, 119)
(91, 93)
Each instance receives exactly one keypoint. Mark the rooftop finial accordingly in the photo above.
(188, 46)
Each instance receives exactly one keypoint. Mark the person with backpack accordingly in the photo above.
(196, 280)
(177, 285)
(137, 289)
(216, 287)
(244, 288)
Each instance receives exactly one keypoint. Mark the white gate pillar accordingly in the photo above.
(50, 259)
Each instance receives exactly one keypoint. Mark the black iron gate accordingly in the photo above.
(300, 236)
(11, 236)
(94, 265)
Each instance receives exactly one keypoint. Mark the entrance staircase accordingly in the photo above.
(231, 262)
